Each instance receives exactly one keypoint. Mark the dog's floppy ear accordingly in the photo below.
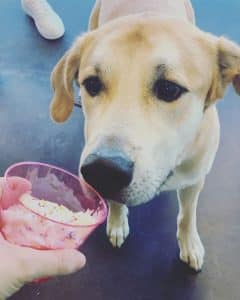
(62, 77)
(227, 69)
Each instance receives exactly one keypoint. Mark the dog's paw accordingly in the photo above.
(191, 250)
(117, 226)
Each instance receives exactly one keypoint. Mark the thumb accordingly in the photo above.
(1, 189)
(48, 263)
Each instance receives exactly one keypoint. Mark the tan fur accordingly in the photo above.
(62, 78)
(132, 44)
(94, 17)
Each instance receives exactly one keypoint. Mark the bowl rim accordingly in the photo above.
(81, 180)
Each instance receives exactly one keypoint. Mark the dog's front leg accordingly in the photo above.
(191, 248)
(117, 223)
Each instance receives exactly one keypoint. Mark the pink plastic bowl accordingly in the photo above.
(24, 227)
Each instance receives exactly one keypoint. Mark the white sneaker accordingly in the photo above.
(48, 23)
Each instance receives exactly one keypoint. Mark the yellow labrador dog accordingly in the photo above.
(149, 82)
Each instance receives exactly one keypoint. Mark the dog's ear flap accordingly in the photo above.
(227, 69)
(62, 77)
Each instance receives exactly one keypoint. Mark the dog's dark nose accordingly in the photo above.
(108, 171)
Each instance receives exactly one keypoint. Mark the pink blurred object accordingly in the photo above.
(24, 227)
(13, 190)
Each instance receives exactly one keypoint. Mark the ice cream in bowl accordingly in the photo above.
(45, 207)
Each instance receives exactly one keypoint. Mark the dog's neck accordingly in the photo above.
(113, 9)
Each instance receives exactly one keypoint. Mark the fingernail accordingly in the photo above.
(77, 260)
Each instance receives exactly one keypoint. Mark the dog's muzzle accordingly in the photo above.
(108, 171)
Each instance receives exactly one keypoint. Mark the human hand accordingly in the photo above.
(19, 265)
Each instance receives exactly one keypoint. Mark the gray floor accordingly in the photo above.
(147, 267)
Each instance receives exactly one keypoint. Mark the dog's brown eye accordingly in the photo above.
(167, 91)
(93, 85)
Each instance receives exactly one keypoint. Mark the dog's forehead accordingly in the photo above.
(130, 41)
(166, 39)
(151, 43)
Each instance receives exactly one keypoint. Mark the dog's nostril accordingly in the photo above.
(108, 172)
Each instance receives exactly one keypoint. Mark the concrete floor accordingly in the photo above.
(147, 266)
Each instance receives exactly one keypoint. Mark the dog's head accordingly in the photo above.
(145, 85)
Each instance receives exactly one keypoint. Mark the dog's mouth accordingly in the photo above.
(170, 174)
(125, 196)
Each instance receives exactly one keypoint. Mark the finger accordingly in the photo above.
(48, 263)
(1, 184)
(19, 185)
(2, 239)
(14, 187)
